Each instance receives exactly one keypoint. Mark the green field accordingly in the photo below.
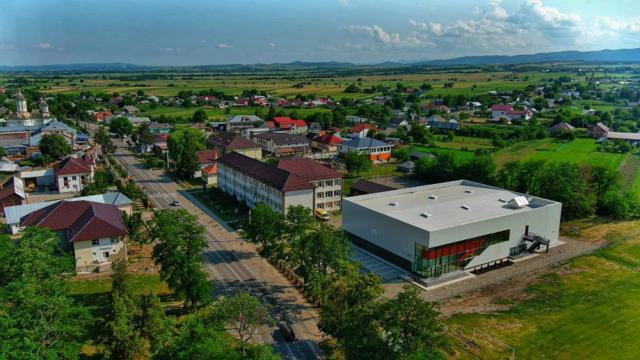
(578, 151)
(465, 155)
(214, 113)
(586, 309)
(471, 143)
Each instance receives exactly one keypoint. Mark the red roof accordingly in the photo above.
(500, 107)
(80, 220)
(207, 156)
(71, 166)
(270, 124)
(308, 169)
(362, 126)
(210, 169)
(285, 122)
(270, 175)
(241, 143)
(329, 139)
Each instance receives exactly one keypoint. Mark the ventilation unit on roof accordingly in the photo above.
(518, 202)
(502, 200)
(432, 197)
(425, 214)
(468, 191)
(395, 203)
(466, 207)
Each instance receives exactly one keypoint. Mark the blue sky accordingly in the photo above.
(188, 32)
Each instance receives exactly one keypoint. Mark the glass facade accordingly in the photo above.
(433, 262)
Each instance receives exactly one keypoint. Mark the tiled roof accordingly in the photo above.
(329, 139)
(225, 140)
(500, 107)
(81, 220)
(72, 165)
(283, 138)
(285, 122)
(207, 156)
(270, 175)
(308, 169)
(210, 169)
(362, 126)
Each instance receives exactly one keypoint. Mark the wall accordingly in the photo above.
(328, 201)
(255, 153)
(300, 197)
(72, 185)
(87, 255)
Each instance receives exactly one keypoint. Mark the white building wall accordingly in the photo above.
(300, 197)
(328, 194)
(72, 183)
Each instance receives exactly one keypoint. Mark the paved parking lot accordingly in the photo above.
(372, 263)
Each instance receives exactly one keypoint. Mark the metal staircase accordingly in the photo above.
(536, 242)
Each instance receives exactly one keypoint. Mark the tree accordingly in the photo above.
(154, 324)
(265, 227)
(144, 136)
(357, 163)
(244, 314)
(183, 144)
(321, 250)
(121, 126)
(3, 152)
(43, 321)
(199, 116)
(54, 146)
(180, 241)
(103, 139)
(411, 326)
(137, 228)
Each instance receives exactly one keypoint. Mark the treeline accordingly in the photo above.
(504, 135)
(365, 325)
(584, 190)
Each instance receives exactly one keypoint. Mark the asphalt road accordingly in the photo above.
(234, 264)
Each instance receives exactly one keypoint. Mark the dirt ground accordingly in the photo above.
(140, 262)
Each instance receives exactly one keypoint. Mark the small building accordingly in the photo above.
(352, 119)
(237, 123)
(561, 127)
(283, 144)
(328, 182)
(361, 130)
(160, 128)
(438, 122)
(94, 232)
(206, 158)
(130, 109)
(631, 138)
(102, 116)
(363, 187)
(73, 174)
(13, 214)
(209, 174)
(407, 167)
(457, 226)
(500, 111)
(376, 149)
(12, 194)
(227, 142)
(598, 130)
(292, 126)
(326, 142)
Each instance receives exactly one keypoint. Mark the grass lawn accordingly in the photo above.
(459, 142)
(465, 155)
(577, 151)
(214, 113)
(223, 205)
(586, 309)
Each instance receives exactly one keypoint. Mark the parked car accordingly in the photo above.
(175, 203)
(322, 214)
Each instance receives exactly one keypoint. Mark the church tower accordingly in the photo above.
(21, 106)
(44, 108)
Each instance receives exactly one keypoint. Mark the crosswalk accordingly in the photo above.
(169, 195)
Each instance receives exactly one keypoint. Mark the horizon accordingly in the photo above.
(197, 33)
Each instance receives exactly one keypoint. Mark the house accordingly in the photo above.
(499, 112)
(362, 187)
(407, 167)
(282, 144)
(361, 130)
(450, 228)
(352, 119)
(236, 123)
(376, 149)
(328, 182)
(293, 126)
(227, 142)
(206, 158)
(138, 120)
(251, 181)
(438, 122)
(209, 174)
(95, 232)
(15, 213)
(73, 174)
(631, 138)
(130, 109)
(598, 130)
(102, 116)
(160, 128)
(12, 193)
(561, 127)
(326, 142)
(7, 165)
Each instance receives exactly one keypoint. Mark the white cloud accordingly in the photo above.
(223, 46)
(390, 39)
(44, 45)
(344, 3)
(272, 44)
(630, 25)
(7, 46)
(170, 49)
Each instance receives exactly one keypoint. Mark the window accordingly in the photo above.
(337, 203)
(337, 182)
(95, 242)
(74, 178)
(320, 184)
(106, 254)
(329, 183)
(320, 195)
(328, 194)
(320, 206)
(336, 193)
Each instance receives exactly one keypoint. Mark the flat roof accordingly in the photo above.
(445, 205)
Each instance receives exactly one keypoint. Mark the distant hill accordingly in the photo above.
(621, 55)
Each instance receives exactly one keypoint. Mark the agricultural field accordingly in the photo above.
(214, 113)
(584, 309)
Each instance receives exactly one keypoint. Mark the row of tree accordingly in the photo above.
(364, 325)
